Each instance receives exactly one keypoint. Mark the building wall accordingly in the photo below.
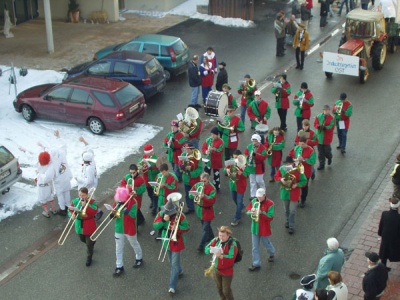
(157, 5)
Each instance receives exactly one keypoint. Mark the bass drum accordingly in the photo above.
(216, 104)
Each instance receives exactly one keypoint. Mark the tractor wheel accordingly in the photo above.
(378, 55)
(363, 76)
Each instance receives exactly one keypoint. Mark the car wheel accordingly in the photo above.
(378, 55)
(167, 74)
(28, 113)
(363, 76)
(328, 75)
(96, 126)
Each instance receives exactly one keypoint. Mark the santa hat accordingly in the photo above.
(148, 148)
(121, 194)
(44, 158)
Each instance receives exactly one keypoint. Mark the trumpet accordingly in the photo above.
(198, 197)
(255, 212)
(72, 220)
(301, 100)
(321, 127)
(158, 187)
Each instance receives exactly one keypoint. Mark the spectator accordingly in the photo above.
(336, 285)
(306, 292)
(291, 29)
(323, 13)
(280, 28)
(375, 279)
(295, 5)
(341, 7)
(301, 42)
(207, 78)
(222, 76)
(305, 14)
(395, 174)
(321, 294)
(194, 81)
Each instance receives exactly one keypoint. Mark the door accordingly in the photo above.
(78, 107)
(53, 104)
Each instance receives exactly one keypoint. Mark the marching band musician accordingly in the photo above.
(194, 136)
(282, 90)
(85, 225)
(305, 155)
(166, 221)
(256, 153)
(230, 136)
(291, 180)
(149, 171)
(133, 178)
(303, 100)
(308, 133)
(258, 110)
(237, 185)
(174, 143)
(168, 184)
(275, 143)
(205, 208)
(227, 90)
(125, 227)
(261, 209)
(223, 261)
(342, 110)
(247, 92)
(192, 170)
(213, 148)
(325, 125)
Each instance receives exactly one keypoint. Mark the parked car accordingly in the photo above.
(100, 103)
(171, 51)
(140, 69)
(10, 171)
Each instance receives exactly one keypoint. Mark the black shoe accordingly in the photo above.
(200, 249)
(297, 67)
(302, 205)
(62, 212)
(388, 269)
(329, 161)
(312, 176)
(321, 168)
(118, 272)
(198, 106)
(138, 263)
(287, 225)
(291, 230)
(88, 261)
(151, 206)
(301, 67)
(338, 147)
(343, 151)
(254, 268)
(189, 211)
(98, 216)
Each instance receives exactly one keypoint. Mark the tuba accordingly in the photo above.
(290, 178)
(224, 123)
(189, 124)
(240, 164)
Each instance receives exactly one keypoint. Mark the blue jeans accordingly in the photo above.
(195, 143)
(189, 202)
(195, 95)
(176, 268)
(273, 171)
(238, 199)
(243, 110)
(341, 6)
(207, 233)
(255, 239)
(342, 135)
(177, 171)
(290, 212)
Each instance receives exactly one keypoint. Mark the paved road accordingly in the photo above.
(334, 195)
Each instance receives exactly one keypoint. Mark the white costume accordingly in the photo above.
(88, 177)
(45, 182)
(63, 175)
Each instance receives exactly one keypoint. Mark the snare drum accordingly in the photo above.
(216, 104)
(262, 130)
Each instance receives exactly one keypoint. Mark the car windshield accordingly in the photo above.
(152, 66)
(5, 156)
(179, 47)
(360, 29)
(127, 94)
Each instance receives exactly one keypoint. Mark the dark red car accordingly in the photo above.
(96, 102)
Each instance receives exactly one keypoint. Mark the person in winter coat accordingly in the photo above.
(337, 285)
(375, 279)
(306, 292)
(323, 13)
(280, 33)
(207, 78)
(44, 177)
(194, 81)
(301, 42)
(389, 231)
(395, 174)
(305, 14)
(295, 6)
(333, 260)
(222, 77)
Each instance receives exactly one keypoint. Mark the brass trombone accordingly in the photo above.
(255, 212)
(72, 219)
(199, 195)
(158, 187)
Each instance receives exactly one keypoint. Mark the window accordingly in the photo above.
(104, 99)
(127, 94)
(131, 47)
(5, 156)
(124, 68)
(102, 67)
(179, 47)
(60, 94)
(81, 97)
(164, 51)
(150, 49)
(152, 66)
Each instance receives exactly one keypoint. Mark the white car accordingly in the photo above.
(10, 171)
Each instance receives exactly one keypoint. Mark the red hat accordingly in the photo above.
(44, 158)
(148, 148)
(175, 123)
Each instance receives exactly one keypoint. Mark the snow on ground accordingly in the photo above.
(16, 133)
(189, 9)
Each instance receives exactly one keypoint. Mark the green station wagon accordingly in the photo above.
(170, 51)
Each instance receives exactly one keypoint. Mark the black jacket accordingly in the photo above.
(374, 282)
(389, 230)
(194, 75)
(222, 78)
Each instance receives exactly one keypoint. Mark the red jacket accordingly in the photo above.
(176, 146)
(87, 225)
(241, 182)
(264, 222)
(276, 160)
(215, 156)
(261, 155)
(225, 265)
(196, 133)
(207, 75)
(262, 108)
(285, 104)
(325, 136)
(294, 194)
(311, 140)
(159, 223)
(139, 180)
(306, 154)
(205, 209)
(343, 116)
(306, 107)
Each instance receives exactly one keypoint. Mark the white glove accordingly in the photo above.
(205, 72)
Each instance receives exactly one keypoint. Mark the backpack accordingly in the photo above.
(239, 255)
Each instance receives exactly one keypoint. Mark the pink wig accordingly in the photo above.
(121, 194)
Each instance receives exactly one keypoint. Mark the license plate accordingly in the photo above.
(5, 174)
(160, 87)
(133, 108)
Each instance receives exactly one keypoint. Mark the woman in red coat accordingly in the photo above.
(207, 78)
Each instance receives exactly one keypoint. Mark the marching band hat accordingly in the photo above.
(260, 192)
(170, 208)
(247, 76)
(121, 194)
(372, 256)
(44, 158)
(230, 108)
(257, 93)
(289, 160)
(308, 281)
(326, 106)
(214, 130)
(222, 64)
(343, 96)
(225, 85)
(332, 243)
(256, 137)
(304, 85)
(148, 148)
(302, 25)
(189, 145)
(175, 123)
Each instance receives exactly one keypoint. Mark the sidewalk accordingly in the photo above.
(367, 239)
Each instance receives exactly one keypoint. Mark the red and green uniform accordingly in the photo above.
(171, 186)
(324, 136)
(256, 164)
(240, 184)
(225, 265)
(183, 227)
(193, 176)
(305, 110)
(177, 143)
(216, 156)
(150, 173)
(231, 138)
(293, 194)
(257, 111)
(309, 156)
(347, 111)
(196, 132)
(139, 187)
(126, 224)
(311, 139)
(267, 210)
(231, 100)
(245, 101)
(84, 225)
(275, 160)
(283, 100)
(205, 209)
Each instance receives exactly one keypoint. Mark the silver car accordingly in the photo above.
(10, 171)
